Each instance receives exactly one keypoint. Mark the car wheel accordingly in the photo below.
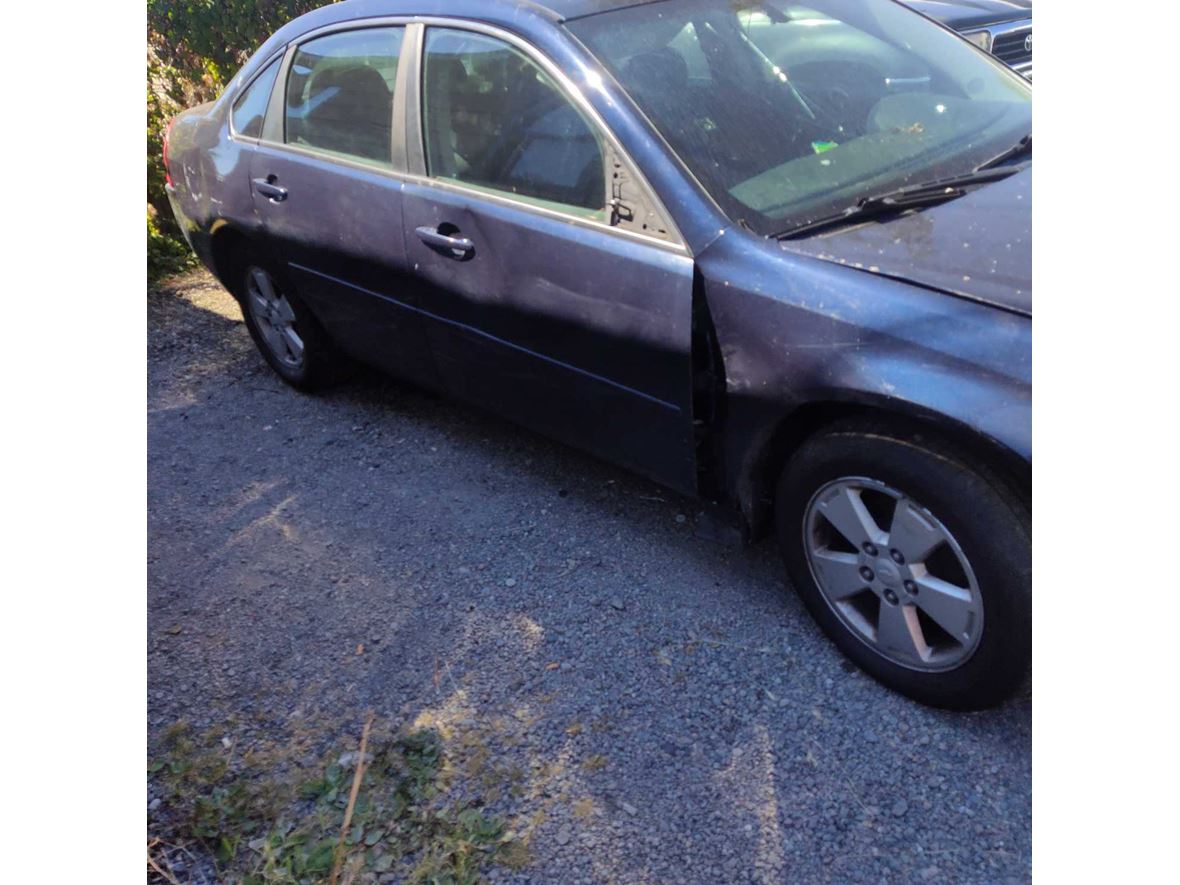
(914, 560)
(285, 332)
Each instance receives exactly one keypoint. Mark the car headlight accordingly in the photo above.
(982, 39)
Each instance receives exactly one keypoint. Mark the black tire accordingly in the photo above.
(986, 518)
(322, 364)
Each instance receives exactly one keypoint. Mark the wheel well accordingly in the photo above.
(757, 493)
(229, 249)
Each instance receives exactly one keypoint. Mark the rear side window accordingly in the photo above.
(493, 119)
(340, 94)
(250, 108)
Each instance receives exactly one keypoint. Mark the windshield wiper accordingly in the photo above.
(1021, 147)
(912, 196)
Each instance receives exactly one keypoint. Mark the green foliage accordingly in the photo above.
(221, 33)
(166, 254)
(210, 805)
(194, 47)
(263, 831)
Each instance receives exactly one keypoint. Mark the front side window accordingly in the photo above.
(495, 120)
(250, 109)
(791, 110)
(340, 94)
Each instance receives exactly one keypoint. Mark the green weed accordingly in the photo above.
(264, 830)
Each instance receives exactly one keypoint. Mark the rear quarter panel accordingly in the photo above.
(210, 177)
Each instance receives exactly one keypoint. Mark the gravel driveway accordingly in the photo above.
(669, 708)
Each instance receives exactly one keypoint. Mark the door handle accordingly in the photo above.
(455, 247)
(272, 192)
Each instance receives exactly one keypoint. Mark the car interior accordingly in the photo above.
(350, 111)
(493, 119)
(340, 94)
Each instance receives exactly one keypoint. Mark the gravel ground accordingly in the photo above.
(676, 715)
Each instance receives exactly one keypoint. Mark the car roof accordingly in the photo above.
(486, 10)
(522, 16)
(570, 9)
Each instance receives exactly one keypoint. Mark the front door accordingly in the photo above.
(535, 305)
(330, 198)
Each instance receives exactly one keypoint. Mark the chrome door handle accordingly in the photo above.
(456, 247)
(272, 192)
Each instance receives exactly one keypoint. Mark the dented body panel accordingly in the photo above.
(795, 331)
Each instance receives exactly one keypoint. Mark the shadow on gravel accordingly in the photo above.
(636, 704)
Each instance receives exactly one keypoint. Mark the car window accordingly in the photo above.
(340, 94)
(494, 119)
(250, 108)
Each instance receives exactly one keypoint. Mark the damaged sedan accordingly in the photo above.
(772, 254)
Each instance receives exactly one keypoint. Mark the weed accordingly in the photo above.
(262, 830)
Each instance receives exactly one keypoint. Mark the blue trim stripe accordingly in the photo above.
(472, 330)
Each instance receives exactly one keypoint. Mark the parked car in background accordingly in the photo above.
(1001, 27)
(773, 254)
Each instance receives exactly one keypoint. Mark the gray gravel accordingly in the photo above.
(673, 712)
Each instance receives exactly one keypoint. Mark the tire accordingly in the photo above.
(976, 583)
(285, 320)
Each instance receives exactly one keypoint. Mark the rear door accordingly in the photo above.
(328, 182)
(545, 301)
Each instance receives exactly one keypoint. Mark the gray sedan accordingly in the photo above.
(774, 254)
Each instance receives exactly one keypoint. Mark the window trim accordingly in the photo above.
(408, 149)
(241, 91)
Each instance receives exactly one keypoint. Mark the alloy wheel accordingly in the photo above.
(893, 573)
(275, 318)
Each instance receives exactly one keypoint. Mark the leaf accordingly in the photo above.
(226, 849)
(321, 857)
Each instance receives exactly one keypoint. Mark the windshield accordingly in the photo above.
(787, 112)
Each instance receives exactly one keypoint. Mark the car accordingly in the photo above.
(1001, 27)
(774, 255)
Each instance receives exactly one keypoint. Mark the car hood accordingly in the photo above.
(961, 14)
(978, 246)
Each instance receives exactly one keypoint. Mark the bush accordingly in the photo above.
(167, 254)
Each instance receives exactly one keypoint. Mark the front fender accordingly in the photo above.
(803, 337)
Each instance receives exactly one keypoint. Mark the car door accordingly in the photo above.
(539, 303)
(328, 188)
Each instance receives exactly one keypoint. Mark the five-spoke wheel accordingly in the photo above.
(893, 573)
(275, 317)
(286, 332)
(914, 556)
